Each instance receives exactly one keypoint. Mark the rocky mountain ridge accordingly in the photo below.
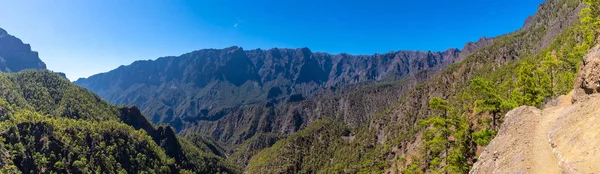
(205, 84)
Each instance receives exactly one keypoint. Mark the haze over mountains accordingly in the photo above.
(285, 110)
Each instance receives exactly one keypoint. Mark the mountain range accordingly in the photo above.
(204, 84)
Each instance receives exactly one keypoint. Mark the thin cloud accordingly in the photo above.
(238, 22)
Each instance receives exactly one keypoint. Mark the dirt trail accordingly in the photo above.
(545, 161)
(563, 138)
(523, 143)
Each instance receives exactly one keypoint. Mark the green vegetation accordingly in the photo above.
(488, 100)
(445, 140)
(327, 146)
(48, 125)
(245, 151)
(483, 137)
(36, 144)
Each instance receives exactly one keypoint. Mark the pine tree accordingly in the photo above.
(530, 92)
(550, 64)
(489, 100)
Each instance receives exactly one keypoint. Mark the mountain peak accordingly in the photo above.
(16, 55)
(2, 32)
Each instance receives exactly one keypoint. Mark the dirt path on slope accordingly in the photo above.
(523, 144)
(545, 161)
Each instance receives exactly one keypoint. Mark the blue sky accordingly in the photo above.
(82, 38)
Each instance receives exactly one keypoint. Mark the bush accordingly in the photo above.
(483, 137)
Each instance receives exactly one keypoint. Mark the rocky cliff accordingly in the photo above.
(16, 56)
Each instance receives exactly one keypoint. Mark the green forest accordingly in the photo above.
(49, 125)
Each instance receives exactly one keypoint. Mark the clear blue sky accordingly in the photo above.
(82, 38)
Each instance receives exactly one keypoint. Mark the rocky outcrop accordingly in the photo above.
(16, 56)
(588, 79)
(471, 47)
(574, 135)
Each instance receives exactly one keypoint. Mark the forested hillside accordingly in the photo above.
(49, 125)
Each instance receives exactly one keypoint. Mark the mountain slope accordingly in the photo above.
(16, 56)
(50, 124)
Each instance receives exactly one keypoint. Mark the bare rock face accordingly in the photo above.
(471, 47)
(588, 80)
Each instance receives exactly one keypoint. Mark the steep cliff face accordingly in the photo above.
(16, 56)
